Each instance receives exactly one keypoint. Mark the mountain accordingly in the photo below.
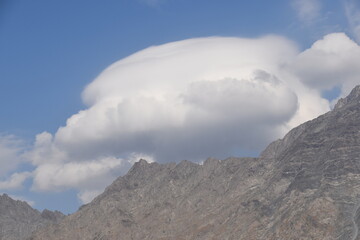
(18, 220)
(304, 186)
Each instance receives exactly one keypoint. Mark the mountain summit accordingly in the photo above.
(304, 186)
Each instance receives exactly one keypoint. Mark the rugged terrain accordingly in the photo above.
(304, 186)
(18, 220)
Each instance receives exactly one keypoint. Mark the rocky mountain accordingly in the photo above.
(18, 220)
(304, 186)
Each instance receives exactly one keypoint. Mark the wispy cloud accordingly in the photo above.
(15, 181)
(352, 10)
(11, 149)
(307, 10)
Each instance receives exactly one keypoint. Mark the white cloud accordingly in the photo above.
(333, 61)
(15, 181)
(190, 100)
(158, 101)
(11, 149)
(78, 175)
(86, 196)
(44, 151)
(54, 172)
(307, 10)
(135, 157)
(88, 177)
(352, 10)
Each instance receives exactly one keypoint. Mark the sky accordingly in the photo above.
(89, 88)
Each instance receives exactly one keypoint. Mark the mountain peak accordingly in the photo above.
(4, 196)
(18, 219)
(139, 165)
(352, 98)
(55, 216)
(7, 199)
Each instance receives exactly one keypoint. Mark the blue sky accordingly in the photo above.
(51, 50)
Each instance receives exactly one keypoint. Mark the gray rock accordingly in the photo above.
(18, 220)
(304, 186)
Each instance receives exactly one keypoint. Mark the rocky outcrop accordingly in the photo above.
(304, 186)
(18, 220)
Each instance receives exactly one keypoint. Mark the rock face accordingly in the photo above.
(304, 186)
(18, 220)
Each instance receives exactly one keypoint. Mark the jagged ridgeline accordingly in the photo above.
(304, 186)
(18, 220)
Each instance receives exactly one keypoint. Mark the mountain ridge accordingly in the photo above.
(304, 186)
(18, 219)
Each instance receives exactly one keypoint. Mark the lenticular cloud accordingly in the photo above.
(187, 100)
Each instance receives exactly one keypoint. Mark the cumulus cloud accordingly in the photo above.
(333, 61)
(307, 10)
(55, 171)
(162, 99)
(44, 151)
(190, 100)
(352, 10)
(88, 177)
(56, 176)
